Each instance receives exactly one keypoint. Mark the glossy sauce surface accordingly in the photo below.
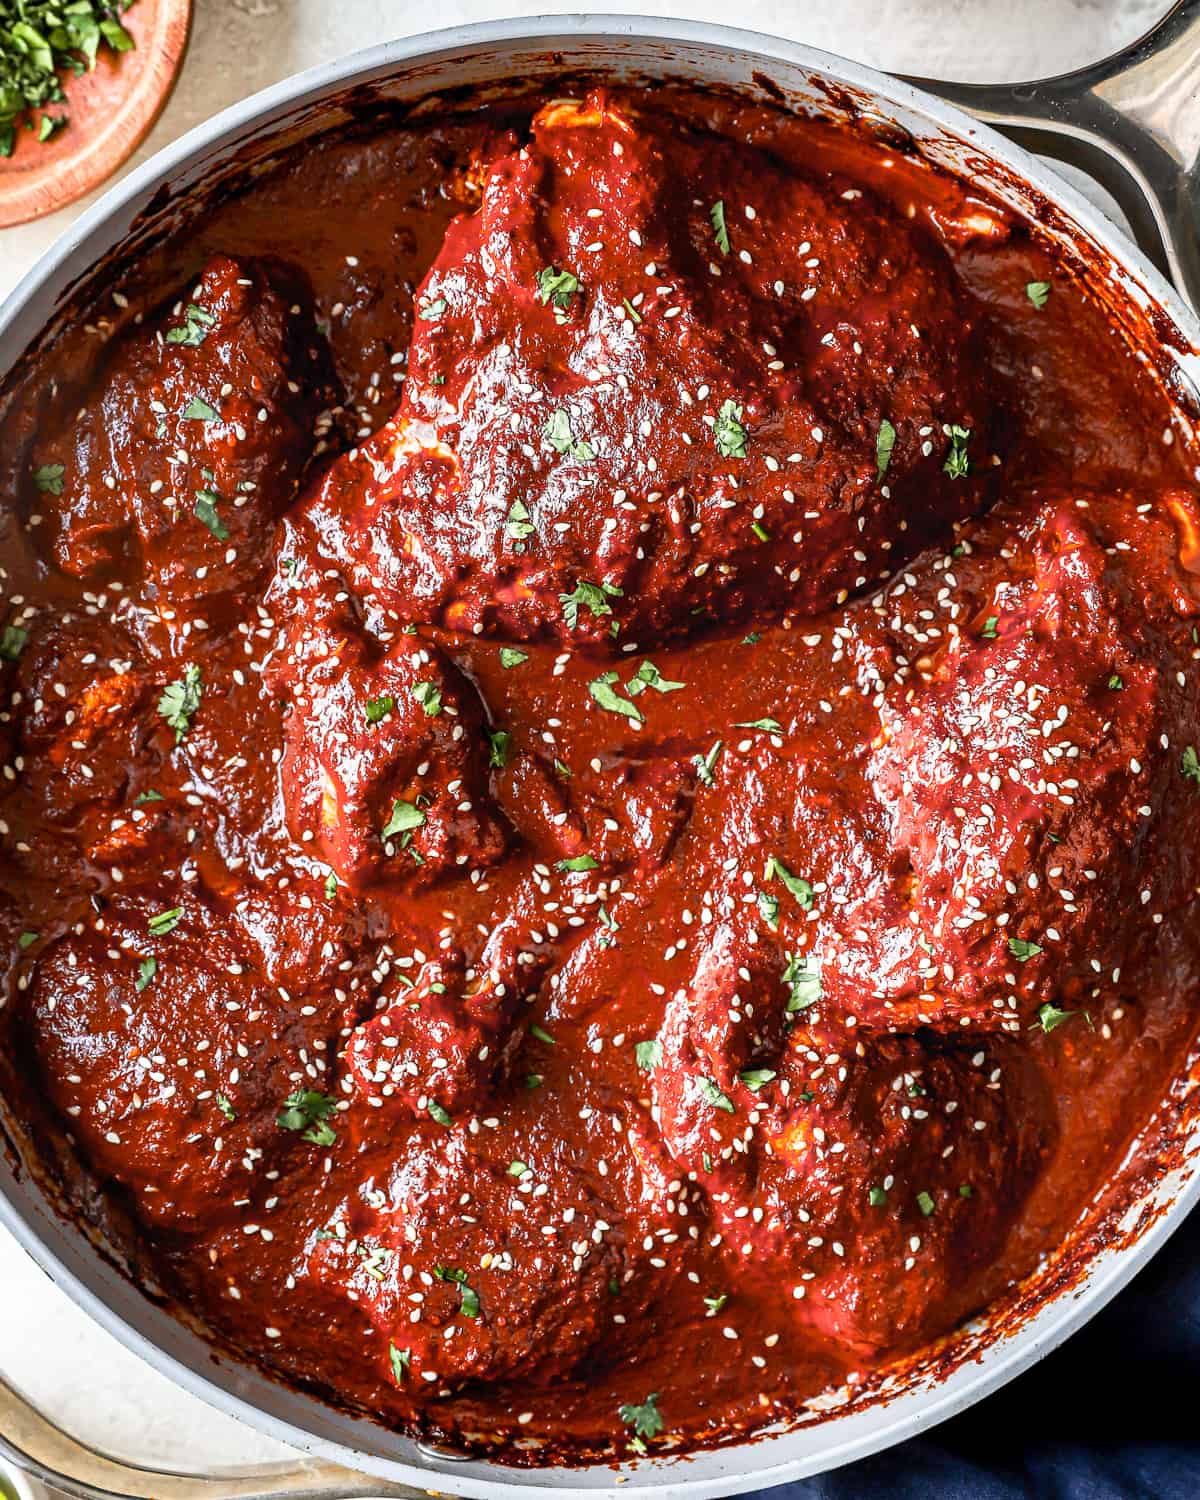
(600, 765)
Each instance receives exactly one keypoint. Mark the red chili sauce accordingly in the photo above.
(600, 765)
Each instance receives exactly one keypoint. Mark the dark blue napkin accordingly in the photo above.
(1114, 1414)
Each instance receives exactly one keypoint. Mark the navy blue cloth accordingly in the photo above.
(1114, 1414)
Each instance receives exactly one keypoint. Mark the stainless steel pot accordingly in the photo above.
(1133, 123)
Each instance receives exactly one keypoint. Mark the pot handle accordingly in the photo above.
(1131, 121)
(36, 1446)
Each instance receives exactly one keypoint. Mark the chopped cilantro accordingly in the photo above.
(226, 1108)
(1038, 293)
(648, 1055)
(576, 865)
(756, 1078)
(198, 410)
(646, 1419)
(206, 511)
(768, 726)
(590, 596)
(711, 1094)
(49, 478)
(13, 640)
(540, 1034)
(715, 1304)
(432, 311)
(308, 1112)
(163, 922)
(180, 700)
(556, 288)
(796, 885)
(405, 817)
(728, 432)
(146, 972)
(1189, 764)
(802, 976)
(379, 708)
(716, 216)
(957, 463)
(331, 886)
(429, 696)
(438, 1114)
(648, 676)
(1022, 950)
(558, 433)
(877, 1197)
(1049, 1016)
(511, 657)
(500, 746)
(885, 441)
(925, 1203)
(197, 320)
(602, 690)
(988, 633)
(518, 526)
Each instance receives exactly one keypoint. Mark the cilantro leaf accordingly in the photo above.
(605, 695)
(711, 1094)
(578, 864)
(308, 1112)
(197, 320)
(795, 884)
(957, 463)
(562, 439)
(885, 441)
(645, 1419)
(405, 817)
(49, 478)
(180, 700)
(379, 708)
(648, 676)
(716, 216)
(206, 511)
(590, 596)
(802, 976)
(556, 287)
(1038, 293)
(728, 433)
(649, 1055)
(401, 1362)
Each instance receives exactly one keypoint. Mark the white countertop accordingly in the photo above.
(89, 1383)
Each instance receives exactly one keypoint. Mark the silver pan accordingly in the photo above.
(1134, 122)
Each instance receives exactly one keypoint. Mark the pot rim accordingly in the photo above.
(74, 1268)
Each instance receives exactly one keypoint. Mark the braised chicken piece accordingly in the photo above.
(197, 439)
(1033, 766)
(384, 766)
(651, 387)
(902, 1164)
(161, 1042)
(542, 1263)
